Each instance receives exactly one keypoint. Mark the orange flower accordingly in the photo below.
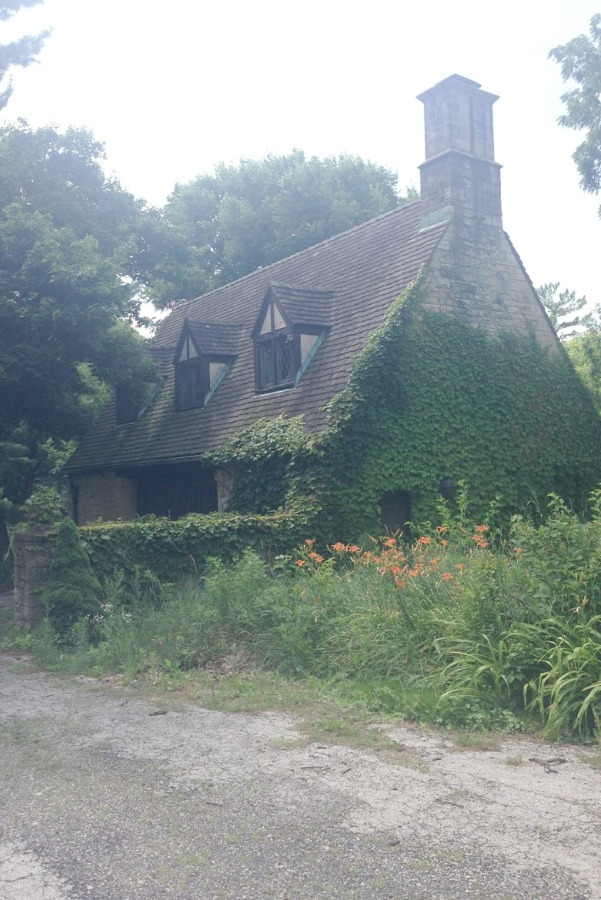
(517, 550)
(352, 548)
(300, 563)
(316, 557)
(309, 542)
(434, 562)
(413, 573)
(389, 542)
(444, 543)
(441, 529)
(481, 528)
(399, 582)
(424, 540)
(460, 566)
(446, 576)
(395, 570)
(480, 542)
(339, 547)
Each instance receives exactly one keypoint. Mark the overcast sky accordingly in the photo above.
(174, 88)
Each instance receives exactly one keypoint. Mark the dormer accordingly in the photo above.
(291, 327)
(204, 354)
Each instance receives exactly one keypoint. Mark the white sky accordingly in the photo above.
(174, 88)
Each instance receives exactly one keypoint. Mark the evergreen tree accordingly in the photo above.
(73, 591)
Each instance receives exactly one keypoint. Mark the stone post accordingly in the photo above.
(32, 554)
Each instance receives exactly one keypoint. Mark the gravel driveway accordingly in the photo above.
(106, 795)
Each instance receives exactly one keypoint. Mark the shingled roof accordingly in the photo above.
(346, 283)
(216, 338)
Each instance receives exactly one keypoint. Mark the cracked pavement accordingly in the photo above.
(102, 798)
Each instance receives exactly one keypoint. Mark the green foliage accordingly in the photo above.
(176, 549)
(459, 628)
(580, 61)
(67, 278)
(431, 396)
(21, 52)
(222, 226)
(262, 457)
(566, 303)
(584, 351)
(45, 506)
(73, 591)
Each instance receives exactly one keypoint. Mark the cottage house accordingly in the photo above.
(412, 352)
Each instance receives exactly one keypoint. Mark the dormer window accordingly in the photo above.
(204, 354)
(284, 344)
(190, 383)
(275, 351)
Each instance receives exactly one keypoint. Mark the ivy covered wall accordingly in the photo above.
(431, 396)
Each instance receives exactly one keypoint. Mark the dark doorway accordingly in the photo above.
(395, 511)
(175, 491)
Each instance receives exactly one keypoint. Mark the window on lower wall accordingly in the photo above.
(395, 511)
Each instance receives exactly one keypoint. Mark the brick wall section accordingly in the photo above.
(32, 555)
(103, 495)
(487, 287)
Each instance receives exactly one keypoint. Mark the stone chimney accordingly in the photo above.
(460, 178)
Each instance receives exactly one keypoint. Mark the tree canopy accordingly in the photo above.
(18, 53)
(68, 241)
(222, 226)
(580, 61)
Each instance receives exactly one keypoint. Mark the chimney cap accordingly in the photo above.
(456, 81)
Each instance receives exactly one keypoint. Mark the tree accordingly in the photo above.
(19, 53)
(222, 226)
(69, 241)
(73, 591)
(585, 352)
(566, 303)
(580, 61)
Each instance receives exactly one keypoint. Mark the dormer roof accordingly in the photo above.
(304, 305)
(215, 338)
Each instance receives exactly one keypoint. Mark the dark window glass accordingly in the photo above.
(266, 367)
(189, 384)
(275, 360)
(284, 358)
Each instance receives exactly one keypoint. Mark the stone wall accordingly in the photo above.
(485, 284)
(103, 495)
(32, 554)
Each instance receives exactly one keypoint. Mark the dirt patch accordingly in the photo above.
(109, 800)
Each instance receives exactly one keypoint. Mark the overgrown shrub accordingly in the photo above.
(73, 592)
(175, 550)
